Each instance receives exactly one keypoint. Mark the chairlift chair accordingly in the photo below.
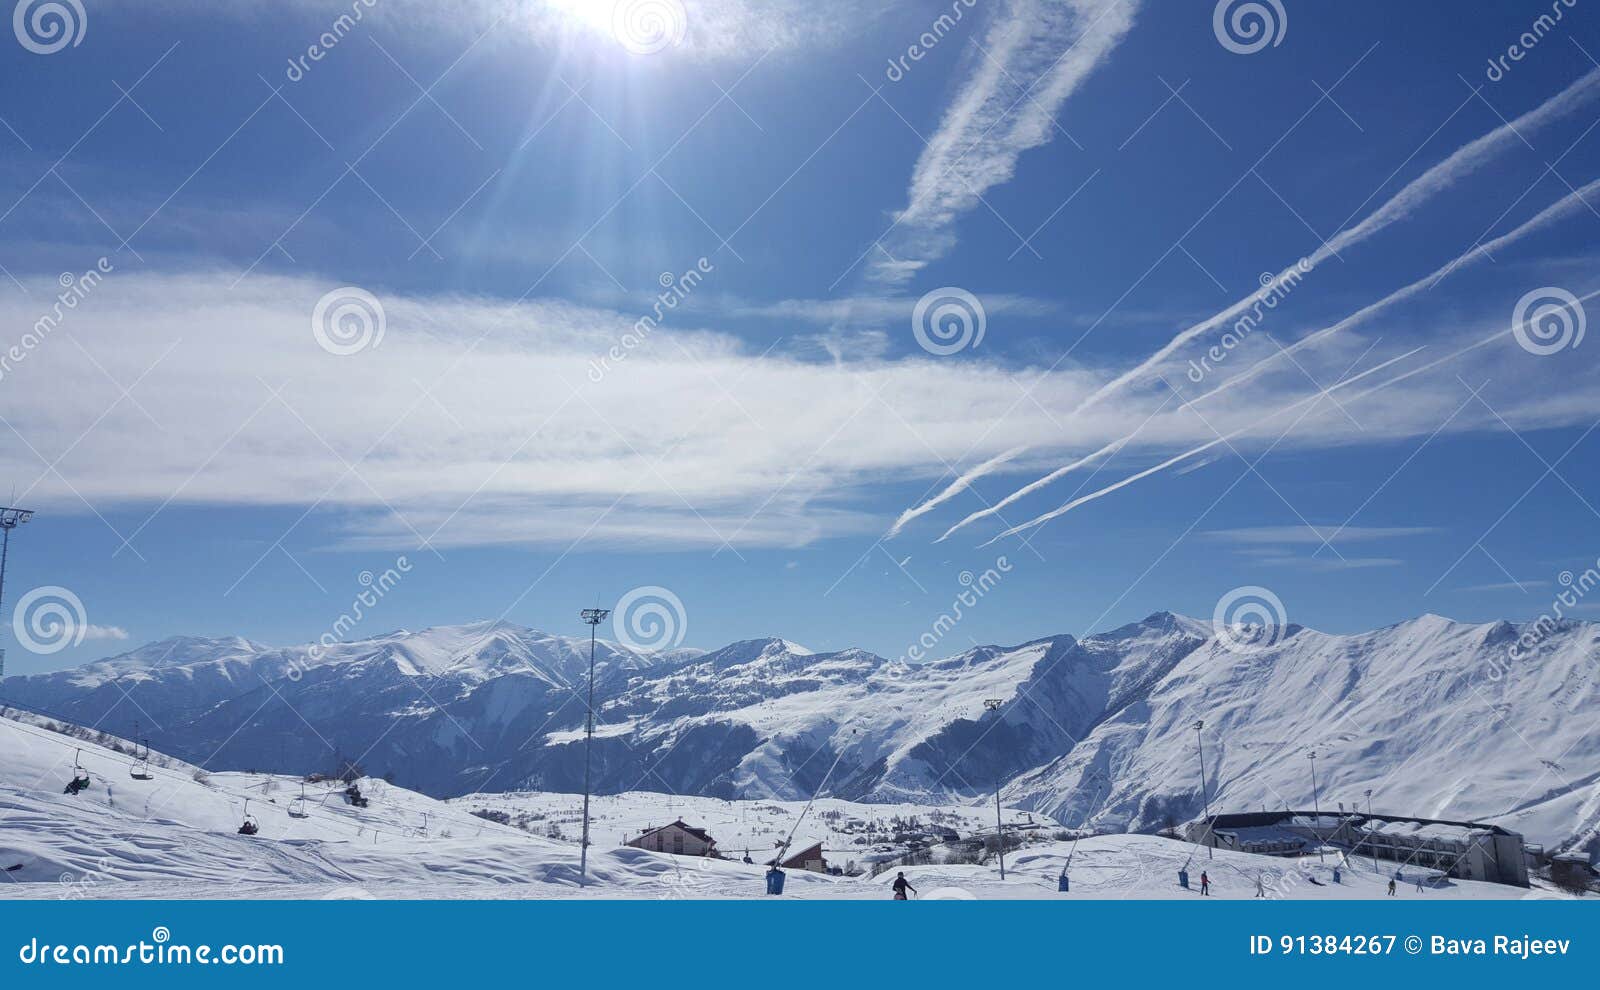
(80, 776)
(141, 770)
(297, 807)
(250, 826)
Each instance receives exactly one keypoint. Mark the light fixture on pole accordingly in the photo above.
(593, 616)
(1372, 845)
(993, 705)
(10, 519)
(1316, 805)
(1205, 793)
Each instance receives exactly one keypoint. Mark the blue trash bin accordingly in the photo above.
(1062, 884)
(775, 878)
(1183, 879)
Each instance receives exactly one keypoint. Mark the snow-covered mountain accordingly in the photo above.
(1431, 715)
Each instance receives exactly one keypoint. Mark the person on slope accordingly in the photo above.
(1205, 884)
(1391, 886)
(901, 885)
(1261, 888)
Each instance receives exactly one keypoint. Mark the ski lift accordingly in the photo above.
(352, 793)
(250, 827)
(80, 776)
(141, 770)
(297, 807)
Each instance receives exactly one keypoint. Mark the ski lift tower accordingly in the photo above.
(993, 705)
(593, 616)
(10, 519)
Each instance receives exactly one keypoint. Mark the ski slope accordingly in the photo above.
(175, 836)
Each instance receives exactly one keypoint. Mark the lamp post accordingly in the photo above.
(10, 519)
(1316, 806)
(993, 705)
(1205, 794)
(593, 616)
(1373, 846)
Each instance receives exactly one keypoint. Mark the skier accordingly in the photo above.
(1391, 886)
(901, 885)
(1205, 884)
(1261, 888)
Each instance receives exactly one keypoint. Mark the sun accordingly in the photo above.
(595, 15)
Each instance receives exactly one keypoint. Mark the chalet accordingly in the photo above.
(677, 838)
(809, 858)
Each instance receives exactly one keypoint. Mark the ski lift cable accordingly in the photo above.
(784, 849)
(51, 737)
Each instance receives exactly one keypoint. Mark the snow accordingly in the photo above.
(175, 837)
(1430, 715)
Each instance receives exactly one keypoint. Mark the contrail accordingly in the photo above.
(1068, 507)
(1440, 177)
(1562, 208)
(1356, 398)
(1025, 490)
(1436, 179)
(1559, 210)
(956, 487)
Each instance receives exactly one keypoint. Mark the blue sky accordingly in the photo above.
(512, 184)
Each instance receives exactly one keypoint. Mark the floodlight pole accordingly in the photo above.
(1373, 846)
(993, 705)
(10, 519)
(593, 616)
(1205, 793)
(1316, 806)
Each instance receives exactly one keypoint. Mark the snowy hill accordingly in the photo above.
(176, 836)
(1431, 715)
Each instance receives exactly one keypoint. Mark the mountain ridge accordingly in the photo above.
(1093, 730)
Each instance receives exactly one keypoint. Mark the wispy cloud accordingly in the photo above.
(1260, 535)
(1508, 586)
(92, 631)
(1034, 56)
(478, 421)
